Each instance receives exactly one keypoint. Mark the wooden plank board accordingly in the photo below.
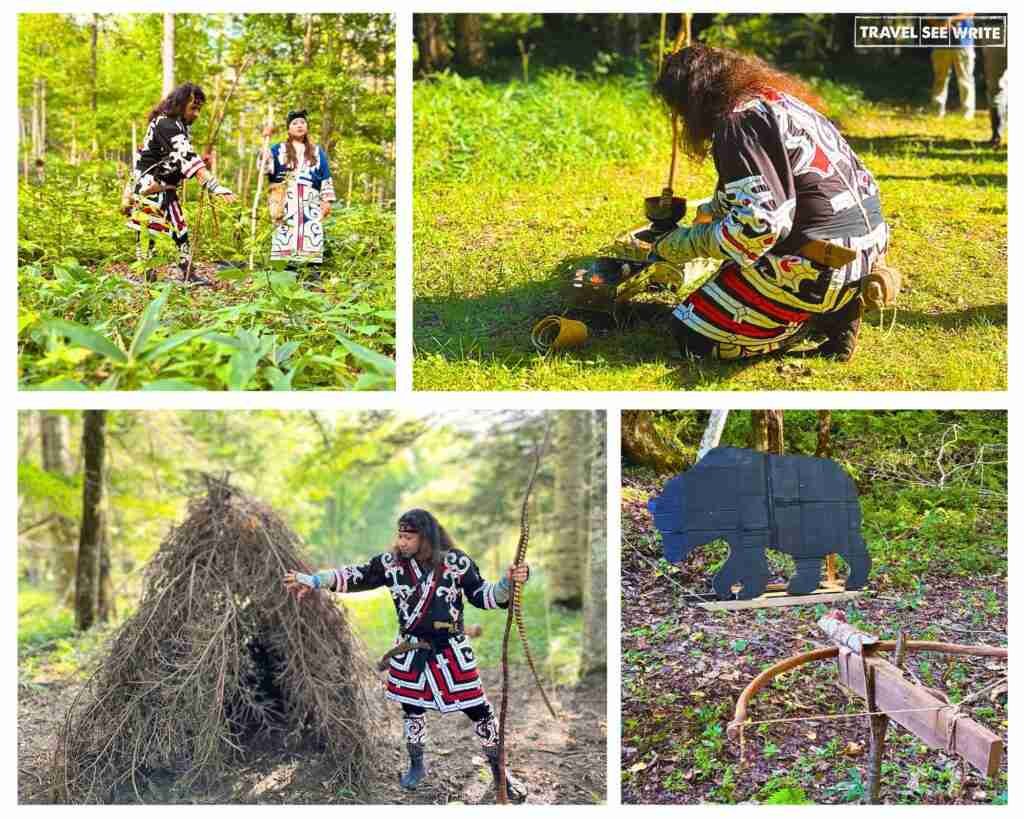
(894, 694)
(778, 600)
(826, 586)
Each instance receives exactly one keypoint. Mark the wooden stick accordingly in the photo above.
(259, 190)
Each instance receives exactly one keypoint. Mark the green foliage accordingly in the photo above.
(80, 326)
(345, 79)
(41, 622)
(61, 493)
(804, 38)
(788, 796)
(468, 130)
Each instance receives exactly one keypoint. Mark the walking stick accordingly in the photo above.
(259, 190)
(515, 614)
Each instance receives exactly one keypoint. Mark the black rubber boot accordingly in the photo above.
(841, 330)
(515, 789)
(417, 770)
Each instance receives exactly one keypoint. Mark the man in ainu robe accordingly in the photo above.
(432, 665)
(164, 161)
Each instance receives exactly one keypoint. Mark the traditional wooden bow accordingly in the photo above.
(515, 613)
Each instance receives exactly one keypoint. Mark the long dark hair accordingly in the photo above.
(174, 104)
(703, 84)
(430, 530)
(311, 155)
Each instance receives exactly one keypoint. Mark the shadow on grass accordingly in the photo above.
(977, 180)
(498, 325)
(928, 145)
(991, 315)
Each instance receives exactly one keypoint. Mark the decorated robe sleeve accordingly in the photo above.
(326, 183)
(180, 152)
(482, 593)
(755, 197)
(269, 164)
(354, 578)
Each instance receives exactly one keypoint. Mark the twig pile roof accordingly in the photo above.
(217, 659)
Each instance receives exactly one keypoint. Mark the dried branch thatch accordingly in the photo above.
(219, 660)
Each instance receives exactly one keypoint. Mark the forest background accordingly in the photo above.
(340, 481)
(86, 83)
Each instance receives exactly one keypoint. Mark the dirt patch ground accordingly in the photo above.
(562, 762)
(683, 668)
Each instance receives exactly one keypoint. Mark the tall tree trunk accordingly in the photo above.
(433, 50)
(565, 559)
(35, 119)
(57, 460)
(470, 50)
(168, 53)
(766, 431)
(643, 446)
(595, 599)
(105, 607)
(89, 542)
(307, 42)
(824, 448)
(42, 117)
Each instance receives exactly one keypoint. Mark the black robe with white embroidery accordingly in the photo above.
(429, 604)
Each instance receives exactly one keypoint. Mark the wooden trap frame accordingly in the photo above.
(889, 695)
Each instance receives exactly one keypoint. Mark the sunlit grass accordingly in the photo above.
(522, 183)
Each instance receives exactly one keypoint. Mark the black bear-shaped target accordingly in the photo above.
(804, 507)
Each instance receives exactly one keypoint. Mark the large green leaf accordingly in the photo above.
(149, 322)
(170, 384)
(243, 368)
(81, 336)
(372, 359)
(169, 344)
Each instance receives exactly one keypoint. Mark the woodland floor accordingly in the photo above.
(683, 667)
(562, 762)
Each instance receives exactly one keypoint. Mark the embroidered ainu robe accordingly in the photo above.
(166, 157)
(786, 175)
(300, 235)
(429, 605)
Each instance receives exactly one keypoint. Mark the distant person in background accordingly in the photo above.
(788, 183)
(993, 60)
(163, 163)
(300, 196)
(958, 57)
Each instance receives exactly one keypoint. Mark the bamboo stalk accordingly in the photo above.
(259, 190)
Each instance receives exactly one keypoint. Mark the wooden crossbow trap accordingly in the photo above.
(889, 696)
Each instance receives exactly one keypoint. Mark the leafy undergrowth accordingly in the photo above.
(528, 176)
(939, 573)
(88, 318)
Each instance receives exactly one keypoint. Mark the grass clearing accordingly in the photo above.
(512, 180)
